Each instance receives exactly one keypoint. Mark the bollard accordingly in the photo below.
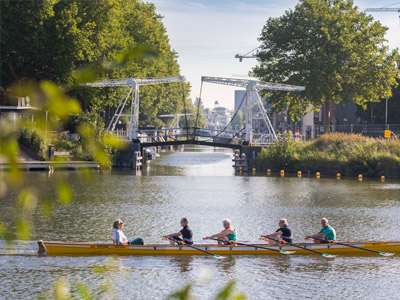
(383, 178)
(282, 173)
(299, 174)
(338, 176)
(360, 177)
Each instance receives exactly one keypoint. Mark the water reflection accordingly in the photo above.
(227, 264)
(183, 262)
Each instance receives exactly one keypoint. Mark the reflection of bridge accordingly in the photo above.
(129, 107)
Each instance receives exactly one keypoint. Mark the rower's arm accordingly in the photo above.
(173, 234)
(223, 233)
(275, 234)
(220, 235)
(317, 234)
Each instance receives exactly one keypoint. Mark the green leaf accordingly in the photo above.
(58, 103)
(62, 289)
(64, 193)
(23, 229)
(183, 293)
(227, 291)
(27, 200)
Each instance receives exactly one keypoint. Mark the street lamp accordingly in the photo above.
(386, 111)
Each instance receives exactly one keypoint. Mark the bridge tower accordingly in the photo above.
(252, 96)
(130, 101)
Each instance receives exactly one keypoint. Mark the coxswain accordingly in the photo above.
(119, 237)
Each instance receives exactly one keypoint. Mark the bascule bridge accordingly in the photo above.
(138, 138)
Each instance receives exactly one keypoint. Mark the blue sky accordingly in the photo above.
(207, 34)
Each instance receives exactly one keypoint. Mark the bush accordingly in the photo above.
(33, 140)
(282, 155)
(348, 154)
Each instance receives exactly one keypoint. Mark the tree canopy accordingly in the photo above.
(337, 52)
(378, 110)
(53, 39)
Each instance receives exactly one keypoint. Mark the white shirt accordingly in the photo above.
(119, 236)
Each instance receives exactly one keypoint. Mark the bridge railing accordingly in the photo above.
(165, 135)
(263, 139)
(120, 134)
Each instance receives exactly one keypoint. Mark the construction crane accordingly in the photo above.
(249, 54)
(385, 9)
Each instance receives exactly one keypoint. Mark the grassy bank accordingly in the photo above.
(347, 154)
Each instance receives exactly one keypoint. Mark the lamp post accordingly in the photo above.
(386, 111)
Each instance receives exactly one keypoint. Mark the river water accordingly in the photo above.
(200, 184)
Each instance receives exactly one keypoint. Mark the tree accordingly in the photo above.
(335, 51)
(238, 120)
(53, 39)
(379, 109)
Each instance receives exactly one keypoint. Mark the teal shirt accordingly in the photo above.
(329, 232)
(232, 236)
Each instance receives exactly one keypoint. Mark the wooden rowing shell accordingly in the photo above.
(61, 248)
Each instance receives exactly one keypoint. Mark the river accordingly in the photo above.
(200, 184)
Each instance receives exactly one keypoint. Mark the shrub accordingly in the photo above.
(348, 154)
(33, 140)
(281, 155)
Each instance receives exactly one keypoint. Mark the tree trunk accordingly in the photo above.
(327, 117)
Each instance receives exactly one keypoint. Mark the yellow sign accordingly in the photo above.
(387, 134)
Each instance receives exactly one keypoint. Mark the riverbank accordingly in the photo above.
(347, 154)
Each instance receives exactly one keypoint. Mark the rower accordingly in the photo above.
(228, 234)
(327, 233)
(119, 237)
(186, 233)
(284, 233)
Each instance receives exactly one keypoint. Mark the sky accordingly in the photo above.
(207, 34)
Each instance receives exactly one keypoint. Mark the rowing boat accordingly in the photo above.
(61, 248)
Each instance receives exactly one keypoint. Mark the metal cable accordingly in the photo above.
(233, 117)
(390, 5)
(198, 108)
(184, 107)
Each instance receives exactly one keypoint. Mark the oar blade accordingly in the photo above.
(328, 255)
(287, 252)
(386, 254)
(218, 256)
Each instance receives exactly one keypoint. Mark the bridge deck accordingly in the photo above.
(191, 142)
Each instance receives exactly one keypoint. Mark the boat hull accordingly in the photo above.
(61, 248)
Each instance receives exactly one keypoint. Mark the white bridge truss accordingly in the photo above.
(130, 97)
(252, 88)
(129, 104)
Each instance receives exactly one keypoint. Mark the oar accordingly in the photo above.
(323, 254)
(205, 251)
(381, 253)
(257, 246)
